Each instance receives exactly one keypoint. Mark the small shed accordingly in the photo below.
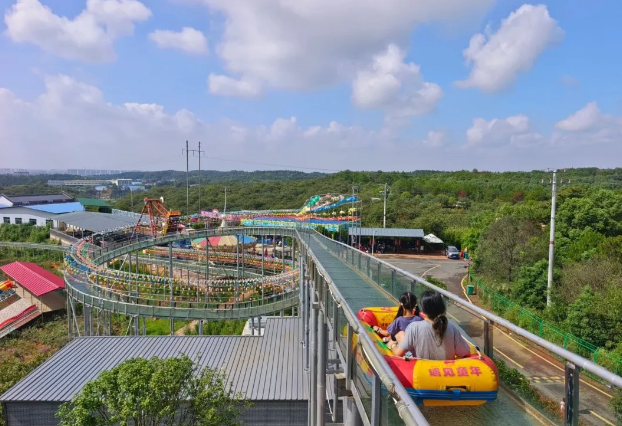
(37, 286)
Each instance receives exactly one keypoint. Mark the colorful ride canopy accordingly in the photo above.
(321, 203)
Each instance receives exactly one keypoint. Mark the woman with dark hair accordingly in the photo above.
(406, 313)
(435, 338)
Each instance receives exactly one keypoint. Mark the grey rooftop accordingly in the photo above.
(266, 368)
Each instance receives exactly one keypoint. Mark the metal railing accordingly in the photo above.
(324, 306)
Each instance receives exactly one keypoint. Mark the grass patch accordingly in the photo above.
(24, 350)
(161, 327)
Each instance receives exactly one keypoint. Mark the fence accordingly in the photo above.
(526, 319)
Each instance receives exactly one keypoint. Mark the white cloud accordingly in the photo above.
(588, 126)
(498, 58)
(515, 130)
(187, 40)
(89, 37)
(395, 87)
(584, 119)
(306, 44)
(223, 85)
(435, 139)
(72, 120)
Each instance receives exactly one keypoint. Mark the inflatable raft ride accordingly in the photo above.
(466, 381)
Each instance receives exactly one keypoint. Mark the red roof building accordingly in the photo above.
(33, 278)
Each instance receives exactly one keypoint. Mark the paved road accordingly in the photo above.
(545, 372)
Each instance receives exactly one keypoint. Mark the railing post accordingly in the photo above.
(393, 282)
(349, 357)
(488, 338)
(375, 401)
(321, 366)
(313, 360)
(571, 415)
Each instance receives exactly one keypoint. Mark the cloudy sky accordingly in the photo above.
(311, 84)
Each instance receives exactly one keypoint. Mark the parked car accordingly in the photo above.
(453, 252)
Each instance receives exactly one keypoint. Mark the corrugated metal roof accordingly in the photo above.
(58, 208)
(96, 222)
(23, 200)
(262, 368)
(33, 277)
(386, 232)
(26, 210)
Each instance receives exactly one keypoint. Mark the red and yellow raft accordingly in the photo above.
(466, 381)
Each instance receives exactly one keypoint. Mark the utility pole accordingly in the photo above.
(385, 194)
(199, 152)
(549, 286)
(199, 178)
(187, 182)
(225, 211)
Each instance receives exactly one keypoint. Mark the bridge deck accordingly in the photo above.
(360, 292)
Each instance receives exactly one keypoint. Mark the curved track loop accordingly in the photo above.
(91, 282)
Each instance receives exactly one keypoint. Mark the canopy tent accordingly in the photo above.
(224, 241)
(432, 239)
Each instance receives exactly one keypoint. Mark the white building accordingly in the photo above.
(26, 216)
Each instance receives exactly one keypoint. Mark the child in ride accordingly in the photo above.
(408, 312)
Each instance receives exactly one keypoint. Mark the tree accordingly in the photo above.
(591, 319)
(530, 288)
(501, 246)
(141, 392)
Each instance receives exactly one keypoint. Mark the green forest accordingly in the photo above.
(503, 219)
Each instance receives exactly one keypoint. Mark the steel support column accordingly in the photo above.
(488, 338)
(313, 360)
(374, 420)
(321, 367)
(170, 275)
(571, 415)
(237, 257)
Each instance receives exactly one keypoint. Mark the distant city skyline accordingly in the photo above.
(447, 85)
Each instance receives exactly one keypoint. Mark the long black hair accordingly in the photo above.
(408, 301)
(433, 306)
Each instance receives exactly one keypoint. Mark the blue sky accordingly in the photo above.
(320, 64)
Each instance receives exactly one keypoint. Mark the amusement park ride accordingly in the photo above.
(161, 221)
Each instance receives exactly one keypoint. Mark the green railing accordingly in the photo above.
(526, 319)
